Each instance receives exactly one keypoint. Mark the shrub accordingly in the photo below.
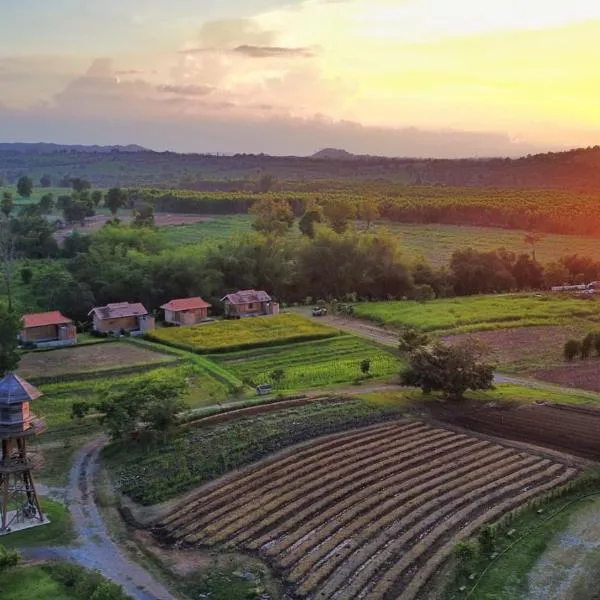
(572, 349)
(465, 553)
(487, 540)
(365, 366)
(597, 343)
(587, 345)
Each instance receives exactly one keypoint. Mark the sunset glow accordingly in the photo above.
(525, 70)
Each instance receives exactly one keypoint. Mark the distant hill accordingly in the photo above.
(133, 166)
(334, 154)
(45, 148)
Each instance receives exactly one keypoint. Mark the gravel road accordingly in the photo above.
(94, 548)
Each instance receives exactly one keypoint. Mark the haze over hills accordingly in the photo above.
(132, 165)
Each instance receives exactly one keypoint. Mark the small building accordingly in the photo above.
(122, 317)
(186, 311)
(249, 303)
(48, 329)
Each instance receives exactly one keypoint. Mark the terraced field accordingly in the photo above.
(371, 513)
(310, 364)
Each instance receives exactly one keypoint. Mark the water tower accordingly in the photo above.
(19, 504)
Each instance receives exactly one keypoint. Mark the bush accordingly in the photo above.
(465, 553)
(587, 345)
(487, 540)
(572, 349)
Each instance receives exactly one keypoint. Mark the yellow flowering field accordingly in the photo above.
(252, 332)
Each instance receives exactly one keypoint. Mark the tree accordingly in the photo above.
(533, 238)
(26, 275)
(597, 343)
(556, 274)
(277, 376)
(369, 211)
(312, 216)
(572, 349)
(7, 256)
(587, 345)
(7, 203)
(96, 197)
(8, 558)
(46, 180)
(10, 327)
(147, 399)
(273, 217)
(365, 366)
(266, 183)
(24, 186)
(80, 185)
(143, 216)
(338, 212)
(411, 339)
(46, 203)
(450, 369)
(115, 198)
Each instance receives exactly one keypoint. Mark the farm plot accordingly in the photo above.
(225, 336)
(573, 428)
(310, 364)
(371, 513)
(461, 315)
(91, 358)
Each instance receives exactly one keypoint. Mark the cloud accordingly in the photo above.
(274, 52)
(187, 90)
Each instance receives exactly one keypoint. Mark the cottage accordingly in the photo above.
(249, 303)
(186, 311)
(122, 317)
(48, 329)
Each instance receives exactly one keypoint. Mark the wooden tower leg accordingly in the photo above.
(33, 492)
(5, 503)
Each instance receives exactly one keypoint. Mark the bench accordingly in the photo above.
(263, 390)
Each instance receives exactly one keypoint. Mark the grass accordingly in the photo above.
(310, 364)
(223, 336)
(90, 358)
(507, 392)
(59, 532)
(479, 313)
(33, 583)
(214, 231)
(151, 472)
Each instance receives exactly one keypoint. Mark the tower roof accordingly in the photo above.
(14, 390)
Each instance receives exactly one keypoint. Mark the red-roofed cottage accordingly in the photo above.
(249, 303)
(122, 317)
(186, 311)
(48, 329)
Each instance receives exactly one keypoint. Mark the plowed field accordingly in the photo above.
(371, 513)
(572, 429)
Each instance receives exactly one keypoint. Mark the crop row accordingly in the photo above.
(370, 514)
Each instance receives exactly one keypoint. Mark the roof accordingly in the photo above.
(186, 304)
(247, 297)
(14, 390)
(42, 319)
(119, 310)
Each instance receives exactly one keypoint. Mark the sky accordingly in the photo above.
(392, 77)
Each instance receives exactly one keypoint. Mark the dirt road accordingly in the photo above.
(94, 548)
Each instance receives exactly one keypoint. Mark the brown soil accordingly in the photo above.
(524, 345)
(571, 429)
(87, 358)
(160, 220)
(582, 375)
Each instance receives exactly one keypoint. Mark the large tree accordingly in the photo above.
(310, 218)
(449, 369)
(7, 203)
(339, 212)
(115, 198)
(24, 186)
(10, 326)
(273, 217)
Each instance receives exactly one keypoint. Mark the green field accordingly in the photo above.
(222, 336)
(215, 230)
(479, 313)
(310, 364)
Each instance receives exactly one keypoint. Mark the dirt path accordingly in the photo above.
(95, 548)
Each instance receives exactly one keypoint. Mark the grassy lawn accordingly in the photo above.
(33, 583)
(223, 336)
(310, 364)
(58, 532)
(90, 358)
(462, 315)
